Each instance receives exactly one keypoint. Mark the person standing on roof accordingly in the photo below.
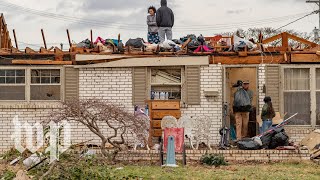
(153, 36)
(165, 21)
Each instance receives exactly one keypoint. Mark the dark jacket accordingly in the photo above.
(266, 114)
(165, 16)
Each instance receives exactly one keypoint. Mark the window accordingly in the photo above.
(27, 84)
(12, 84)
(166, 81)
(45, 84)
(318, 96)
(297, 95)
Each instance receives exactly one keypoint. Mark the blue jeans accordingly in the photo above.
(266, 124)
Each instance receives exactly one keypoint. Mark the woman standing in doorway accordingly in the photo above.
(267, 114)
(153, 36)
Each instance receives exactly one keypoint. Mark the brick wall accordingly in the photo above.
(211, 77)
(229, 155)
(30, 115)
(261, 83)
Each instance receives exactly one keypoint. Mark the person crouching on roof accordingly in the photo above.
(153, 36)
(165, 21)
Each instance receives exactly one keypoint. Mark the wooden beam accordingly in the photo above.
(15, 38)
(1, 30)
(44, 39)
(29, 51)
(91, 37)
(70, 44)
(303, 41)
(58, 51)
(42, 62)
(276, 59)
(44, 50)
(271, 39)
(285, 40)
(15, 50)
(305, 58)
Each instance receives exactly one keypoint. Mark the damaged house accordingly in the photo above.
(34, 82)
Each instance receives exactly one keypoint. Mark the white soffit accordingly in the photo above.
(153, 61)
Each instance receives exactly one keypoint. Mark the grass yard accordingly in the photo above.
(308, 171)
(86, 170)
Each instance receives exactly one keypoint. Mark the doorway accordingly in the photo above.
(233, 74)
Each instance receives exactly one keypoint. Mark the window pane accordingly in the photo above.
(35, 73)
(12, 92)
(174, 91)
(2, 72)
(35, 80)
(296, 79)
(318, 108)
(45, 72)
(20, 80)
(166, 76)
(318, 78)
(45, 92)
(20, 73)
(10, 73)
(10, 80)
(298, 102)
(45, 80)
(55, 80)
(55, 72)
(2, 80)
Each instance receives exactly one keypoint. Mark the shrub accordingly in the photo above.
(213, 160)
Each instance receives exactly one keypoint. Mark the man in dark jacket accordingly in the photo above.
(165, 21)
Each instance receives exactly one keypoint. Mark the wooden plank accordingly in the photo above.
(44, 50)
(275, 59)
(41, 62)
(168, 105)
(301, 40)
(157, 133)
(29, 50)
(15, 39)
(44, 39)
(159, 114)
(305, 58)
(285, 40)
(156, 123)
(271, 39)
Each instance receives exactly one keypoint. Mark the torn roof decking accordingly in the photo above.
(82, 56)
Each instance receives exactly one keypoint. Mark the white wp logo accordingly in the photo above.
(55, 147)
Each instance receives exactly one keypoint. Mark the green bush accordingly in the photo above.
(213, 160)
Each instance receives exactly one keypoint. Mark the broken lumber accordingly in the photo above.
(41, 62)
(29, 50)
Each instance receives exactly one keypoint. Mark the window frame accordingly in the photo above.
(181, 84)
(28, 83)
(15, 84)
(313, 105)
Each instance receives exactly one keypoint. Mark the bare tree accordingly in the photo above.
(94, 113)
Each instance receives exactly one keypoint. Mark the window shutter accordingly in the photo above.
(273, 86)
(71, 83)
(139, 86)
(192, 75)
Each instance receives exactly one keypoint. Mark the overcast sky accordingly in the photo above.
(107, 18)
